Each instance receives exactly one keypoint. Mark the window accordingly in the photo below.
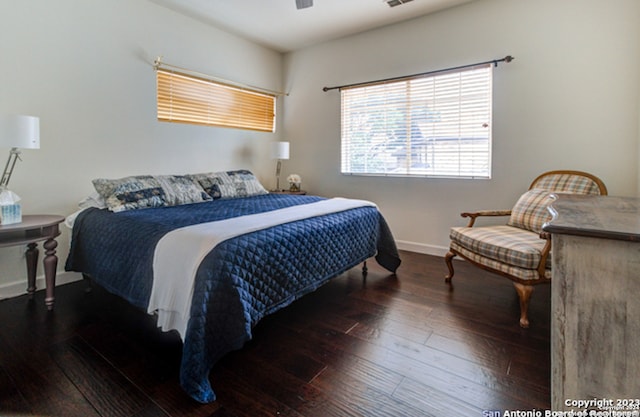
(185, 98)
(434, 126)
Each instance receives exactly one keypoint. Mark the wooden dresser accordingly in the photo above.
(595, 320)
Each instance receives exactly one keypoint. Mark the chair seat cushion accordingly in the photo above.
(513, 271)
(506, 244)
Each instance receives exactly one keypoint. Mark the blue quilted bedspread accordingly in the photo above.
(239, 282)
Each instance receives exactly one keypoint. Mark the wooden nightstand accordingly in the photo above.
(33, 229)
(301, 192)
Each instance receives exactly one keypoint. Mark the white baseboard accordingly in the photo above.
(422, 248)
(18, 288)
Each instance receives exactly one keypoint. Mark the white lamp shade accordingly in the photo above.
(280, 150)
(20, 131)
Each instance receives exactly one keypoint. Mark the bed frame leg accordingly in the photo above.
(87, 280)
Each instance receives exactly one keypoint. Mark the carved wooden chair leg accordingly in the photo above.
(524, 294)
(448, 257)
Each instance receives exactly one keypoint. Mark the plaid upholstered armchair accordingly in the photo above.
(519, 250)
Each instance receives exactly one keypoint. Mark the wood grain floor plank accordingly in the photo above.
(39, 381)
(279, 338)
(81, 364)
(153, 370)
(11, 400)
(346, 387)
(434, 401)
(285, 388)
(439, 376)
(241, 399)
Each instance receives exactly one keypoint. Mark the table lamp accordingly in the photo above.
(279, 151)
(16, 132)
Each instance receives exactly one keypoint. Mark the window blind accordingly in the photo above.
(184, 98)
(437, 125)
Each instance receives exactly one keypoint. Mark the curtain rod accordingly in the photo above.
(158, 64)
(507, 59)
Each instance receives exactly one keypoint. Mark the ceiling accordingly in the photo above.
(277, 24)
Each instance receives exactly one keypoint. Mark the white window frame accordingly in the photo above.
(420, 126)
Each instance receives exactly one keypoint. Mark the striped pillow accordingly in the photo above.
(530, 212)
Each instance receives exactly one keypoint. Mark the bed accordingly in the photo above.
(240, 279)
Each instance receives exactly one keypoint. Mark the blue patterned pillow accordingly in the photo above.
(210, 183)
(146, 191)
(181, 189)
(131, 192)
(230, 184)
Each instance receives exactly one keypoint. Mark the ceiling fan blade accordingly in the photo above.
(303, 4)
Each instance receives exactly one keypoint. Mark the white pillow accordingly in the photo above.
(93, 200)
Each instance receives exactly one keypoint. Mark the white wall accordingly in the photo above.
(84, 67)
(569, 100)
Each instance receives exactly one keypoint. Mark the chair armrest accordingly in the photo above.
(542, 266)
(474, 215)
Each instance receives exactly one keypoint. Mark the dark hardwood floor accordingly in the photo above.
(405, 345)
